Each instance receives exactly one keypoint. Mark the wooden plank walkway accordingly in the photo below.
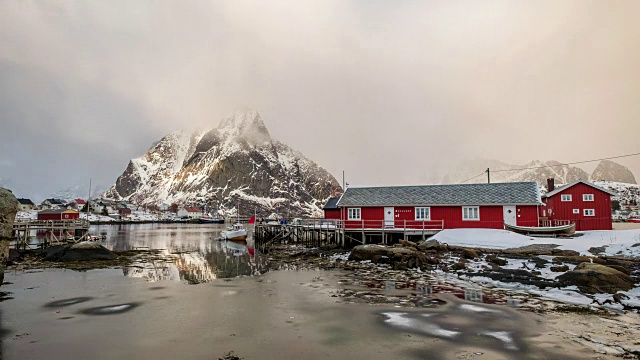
(52, 232)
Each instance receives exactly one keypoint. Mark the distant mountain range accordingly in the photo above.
(237, 163)
(539, 171)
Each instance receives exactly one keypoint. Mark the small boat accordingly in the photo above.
(210, 220)
(633, 219)
(564, 230)
(235, 233)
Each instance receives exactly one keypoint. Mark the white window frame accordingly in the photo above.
(351, 212)
(589, 212)
(475, 209)
(566, 198)
(576, 211)
(587, 197)
(422, 210)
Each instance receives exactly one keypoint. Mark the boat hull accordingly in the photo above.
(237, 235)
(564, 230)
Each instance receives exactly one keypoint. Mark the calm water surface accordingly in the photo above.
(191, 252)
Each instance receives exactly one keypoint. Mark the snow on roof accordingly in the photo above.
(519, 193)
(564, 187)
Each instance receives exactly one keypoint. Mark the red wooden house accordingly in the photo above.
(58, 214)
(580, 202)
(441, 206)
(331, 210)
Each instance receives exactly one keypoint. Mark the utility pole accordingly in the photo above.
(343, 189)
(89, 198)
(488, 176)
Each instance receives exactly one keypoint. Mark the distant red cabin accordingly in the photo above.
(580, 202)
(124, 211)
(58, 214)
(440, 206)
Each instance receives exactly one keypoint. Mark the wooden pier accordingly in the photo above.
(51, 232)
(318, 232)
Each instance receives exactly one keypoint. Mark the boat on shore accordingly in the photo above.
(210, 220)
(235, 233)
(563, 230)
(634, 219)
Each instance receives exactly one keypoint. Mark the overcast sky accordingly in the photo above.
(385, 90)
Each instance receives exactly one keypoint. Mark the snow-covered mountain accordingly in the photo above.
(536, 170)
(78, 192)
(608, 170)
(236, 163)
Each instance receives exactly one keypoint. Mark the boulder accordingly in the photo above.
(83, 251)
(561, 268)
(431, 244)
(558, 252)
(8, 211)
(579, 259)
(496, 260)
(595, 278)
(373, 252)
(469, 254)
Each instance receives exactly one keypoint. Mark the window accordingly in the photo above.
(589, 212)
(470, 213)
(576, 211)
(587, 197)
(423, 213)
(354, 214)
(565, 197)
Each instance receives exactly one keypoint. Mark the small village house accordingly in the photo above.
(124, 212)
(51, 204)
(25, 205)
(190, 212)
(440, 206)
(58, 214)
(580, 202)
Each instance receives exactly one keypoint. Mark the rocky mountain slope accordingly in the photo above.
(235, 163)
(536, 170)
(608, 170)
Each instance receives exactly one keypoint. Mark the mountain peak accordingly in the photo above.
(247, 125)
(608, 170)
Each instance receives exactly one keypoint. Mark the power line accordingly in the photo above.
(571, 163)
(484, 172)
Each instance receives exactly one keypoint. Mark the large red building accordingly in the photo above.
(439, 206)
(580, 202)
(58, 214)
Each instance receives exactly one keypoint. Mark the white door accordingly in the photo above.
(389, 217)
(509, 213)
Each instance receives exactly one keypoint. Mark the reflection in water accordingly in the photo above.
(190, 252)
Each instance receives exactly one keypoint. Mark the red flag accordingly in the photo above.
(252, 220)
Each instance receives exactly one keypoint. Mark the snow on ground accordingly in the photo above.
(94, 217)
(616, 242)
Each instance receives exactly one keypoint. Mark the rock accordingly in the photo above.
(597, 250)
(377, 252)
(516, 275)
(459, 266)
(83, 251)
(540, 263)
(496, 260)
(8, 211)
(558, 252)
(429, 245)
(622, 269)
(407, 243)
(562, 268)
(595, 278)
(469, 254)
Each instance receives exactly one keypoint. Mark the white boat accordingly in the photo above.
(235, 233)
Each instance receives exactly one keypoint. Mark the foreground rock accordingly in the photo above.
(593, 278)
(83, 251)
(8, 211)
(400, 257)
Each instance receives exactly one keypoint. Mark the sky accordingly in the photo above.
(387, 91)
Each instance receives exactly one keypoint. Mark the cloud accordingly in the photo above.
(383, 90)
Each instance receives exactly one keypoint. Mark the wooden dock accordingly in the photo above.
(318, 232)
(50, 232)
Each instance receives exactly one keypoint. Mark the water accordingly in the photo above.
(190, 253)
(154, 313)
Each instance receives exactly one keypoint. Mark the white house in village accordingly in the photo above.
(190, 212)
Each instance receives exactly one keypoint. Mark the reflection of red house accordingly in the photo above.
(58, 214)
(331, 210)
(580, 202)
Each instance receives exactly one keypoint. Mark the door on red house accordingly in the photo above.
(389, 219)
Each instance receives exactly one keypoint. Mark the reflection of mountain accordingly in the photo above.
(188, 252)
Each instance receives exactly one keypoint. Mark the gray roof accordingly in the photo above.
(332, 203)
(564, 187)
(520, 193)
(25, 201)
